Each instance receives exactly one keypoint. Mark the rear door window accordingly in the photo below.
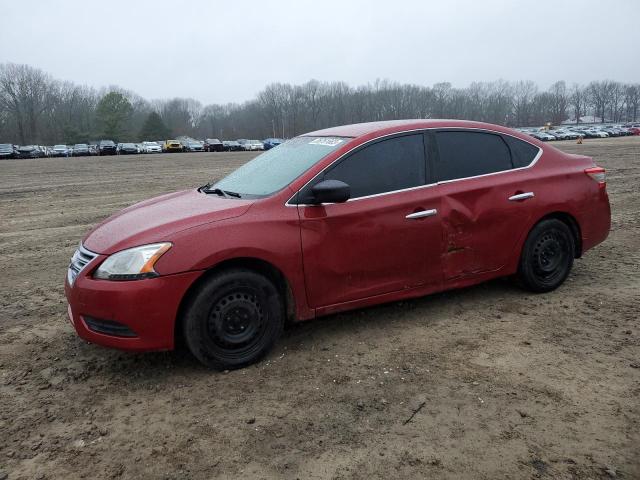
(463, 154)
(385, 166)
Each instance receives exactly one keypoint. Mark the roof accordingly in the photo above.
(391, 126)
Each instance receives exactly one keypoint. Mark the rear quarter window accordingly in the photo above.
(522, 153)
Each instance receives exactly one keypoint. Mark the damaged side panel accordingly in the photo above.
(480, 226)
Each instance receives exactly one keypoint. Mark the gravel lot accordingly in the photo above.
(506, 384)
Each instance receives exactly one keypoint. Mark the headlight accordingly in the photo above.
(132, 264)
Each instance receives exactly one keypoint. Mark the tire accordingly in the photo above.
(233, 319)
(547, 256)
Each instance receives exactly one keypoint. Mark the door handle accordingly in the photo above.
(521, 196)
(422, 214)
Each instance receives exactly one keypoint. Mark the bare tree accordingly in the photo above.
(25, 93)
(598, 95)
(578, 100)
(523, 94)
(632, 101)
(559, 102)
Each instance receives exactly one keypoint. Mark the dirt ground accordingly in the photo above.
(505, 384)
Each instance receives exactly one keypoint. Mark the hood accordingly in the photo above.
(157, 219)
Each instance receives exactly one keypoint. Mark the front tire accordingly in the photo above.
(233, 319)
(547, 256)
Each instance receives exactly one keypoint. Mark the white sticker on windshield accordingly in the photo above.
(326, 141)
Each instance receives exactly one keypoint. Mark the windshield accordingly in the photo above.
(60, 147)
(276, 168)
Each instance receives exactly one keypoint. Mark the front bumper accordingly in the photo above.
(147, 308)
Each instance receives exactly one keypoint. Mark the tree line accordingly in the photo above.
(36, 108)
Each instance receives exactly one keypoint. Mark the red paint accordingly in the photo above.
(341, 256)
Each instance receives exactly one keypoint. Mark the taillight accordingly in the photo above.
(598, 174)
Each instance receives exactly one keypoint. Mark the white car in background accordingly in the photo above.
(598, 133)
(151, 147)
(255, 145)
(565, 134)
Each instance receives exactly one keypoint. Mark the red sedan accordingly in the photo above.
(334, 220)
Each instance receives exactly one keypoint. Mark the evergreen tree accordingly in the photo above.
(113, 113)
(154, 128)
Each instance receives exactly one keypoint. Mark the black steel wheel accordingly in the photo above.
(547, 256)
(233, 319)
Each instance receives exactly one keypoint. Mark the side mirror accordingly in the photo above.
(330, 191)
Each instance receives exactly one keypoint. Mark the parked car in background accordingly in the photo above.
(93, 150)
(254, 145)
(80, 150)
(544, 136)
(565, 134)
(244, 143)
(106, 147)
(171, 146)
(595, 133)
(231, 146)
(30, 151)
(213, 145)
(334, 220)
(586, 132)
(192, 146)
(151, 147)
(7, 150)
(60, 151)
(269, 143)
(126, 149)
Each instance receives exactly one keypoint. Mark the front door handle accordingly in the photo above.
(422, 214)
(521, 196)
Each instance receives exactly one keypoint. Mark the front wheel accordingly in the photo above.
(547, 256)
(233, 319)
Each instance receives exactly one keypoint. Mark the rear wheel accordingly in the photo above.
(547, 256)
(233, 319)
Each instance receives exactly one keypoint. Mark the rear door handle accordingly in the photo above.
(422, 214)
(521, 196)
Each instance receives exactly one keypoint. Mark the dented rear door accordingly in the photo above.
(483, 214)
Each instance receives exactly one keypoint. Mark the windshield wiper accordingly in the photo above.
(223, 193)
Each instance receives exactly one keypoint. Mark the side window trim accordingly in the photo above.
(429, 132)
(432, 154)
(511, 154)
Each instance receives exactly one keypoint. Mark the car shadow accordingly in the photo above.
(379, 315)
(316, 333)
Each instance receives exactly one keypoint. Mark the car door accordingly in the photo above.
(486, 201)
(386, 238)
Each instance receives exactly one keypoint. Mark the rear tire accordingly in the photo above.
(547, 256)
(233, 319)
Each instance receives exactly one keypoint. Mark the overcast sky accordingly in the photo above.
(224, 51)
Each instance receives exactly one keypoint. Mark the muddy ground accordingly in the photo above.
(512, 385)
